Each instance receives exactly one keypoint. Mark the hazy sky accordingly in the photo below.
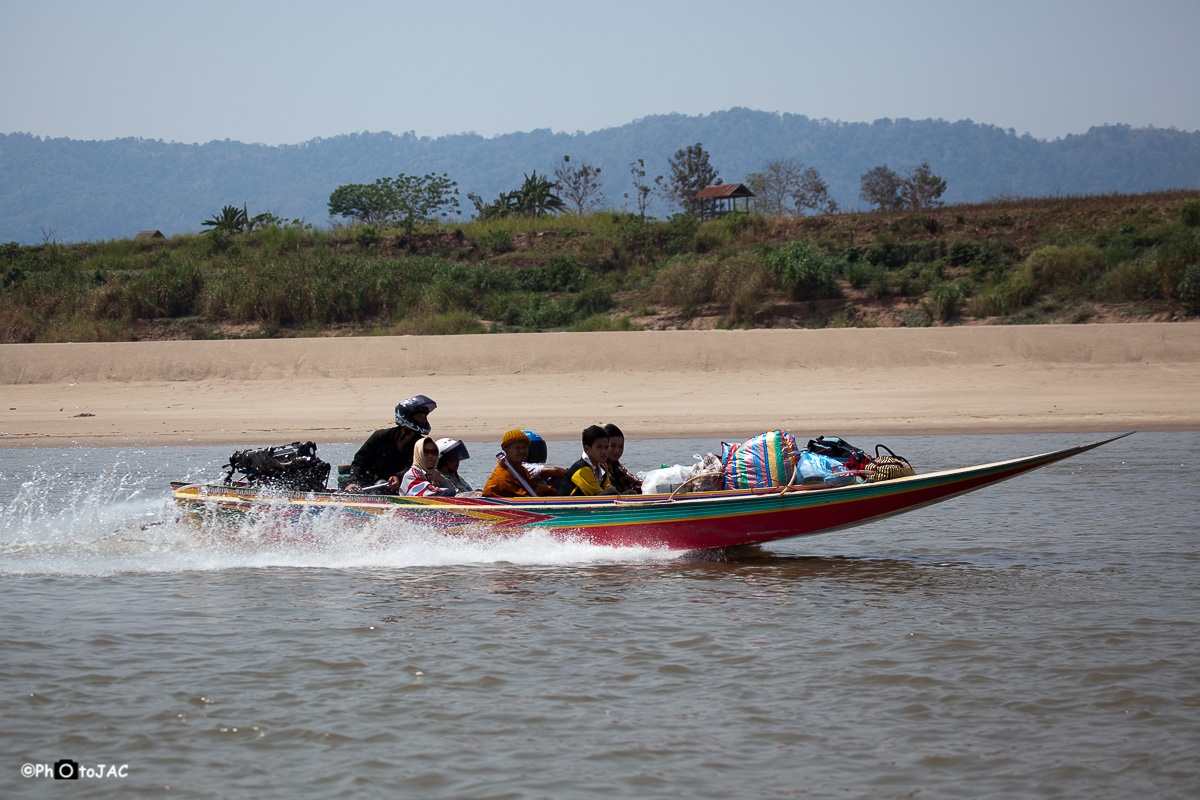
(286, 72)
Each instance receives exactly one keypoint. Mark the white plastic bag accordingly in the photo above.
(666, 480)
(708, 465)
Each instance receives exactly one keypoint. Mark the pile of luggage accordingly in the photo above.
(774, 459)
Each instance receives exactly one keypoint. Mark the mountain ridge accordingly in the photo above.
(86, 190)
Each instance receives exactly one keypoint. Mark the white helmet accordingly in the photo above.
(454, 448)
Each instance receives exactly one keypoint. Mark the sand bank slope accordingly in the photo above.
(653, 383)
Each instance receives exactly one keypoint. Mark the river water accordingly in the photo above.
(1039, 638)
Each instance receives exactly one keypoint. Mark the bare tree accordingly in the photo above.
(776, 186)
(784, 186)
(643, 189)
(579, 185)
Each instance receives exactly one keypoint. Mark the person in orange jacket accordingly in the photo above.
(503, 482)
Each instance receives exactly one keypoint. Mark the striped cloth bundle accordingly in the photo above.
(764, 461)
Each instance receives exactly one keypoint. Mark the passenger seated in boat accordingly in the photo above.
(621, 478)
(388, 452)
(587, 476)
(506, 482)
(536, 465)
(422, 479)
(452, 453)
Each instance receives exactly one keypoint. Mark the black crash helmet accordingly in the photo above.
(405, 410)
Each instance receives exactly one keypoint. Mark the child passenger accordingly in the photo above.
(587, 476)
(503, 482)
(453, 452)
(536, 465)
(621, 478)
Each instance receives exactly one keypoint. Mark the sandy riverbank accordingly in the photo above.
(653, 384)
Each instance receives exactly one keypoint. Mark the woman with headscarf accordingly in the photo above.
(422, 479)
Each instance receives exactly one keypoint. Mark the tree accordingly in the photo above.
(784, 186)
(369, 203)
(643, 189)
(406, 199)
(419, 199)
(690, 172)
(921, 189)
(775, 186)
(814, 193)
(579, 184)
(881, 187)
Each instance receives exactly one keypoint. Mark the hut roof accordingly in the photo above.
(725, 190)
(143, 235)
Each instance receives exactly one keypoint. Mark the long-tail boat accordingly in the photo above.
(679, 521)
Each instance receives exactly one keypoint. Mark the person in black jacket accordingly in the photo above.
(388, 453)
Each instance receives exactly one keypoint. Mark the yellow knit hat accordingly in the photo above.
(513, 436)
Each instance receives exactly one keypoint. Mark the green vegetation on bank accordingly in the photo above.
(1062, 259)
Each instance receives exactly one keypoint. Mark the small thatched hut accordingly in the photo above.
(717, 201)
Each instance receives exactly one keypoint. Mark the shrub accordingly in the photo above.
(686, 283)
(1017, 292)
(167, 290)
(744, 288)
(592, 301)
(887, 254)
(13, 276)
(1189, 212)
(880, 284)
(19, 323)
(560, 273)
(963, 253)
(1055, 266)
(444, 324)
(1189, 288)
(366, 237)
(497, 240)
(84, 329)
(1138, 280)
(944, 301)
(602, 323)
(805, 271)
(858, 274)
(543, 314)
(280, 238)
(711, 237)
(680, 232)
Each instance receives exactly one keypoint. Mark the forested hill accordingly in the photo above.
(68, 190)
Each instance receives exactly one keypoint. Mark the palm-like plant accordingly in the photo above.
(537, 197)
(231, 220)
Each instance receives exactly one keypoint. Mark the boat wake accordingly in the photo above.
(119, 525)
